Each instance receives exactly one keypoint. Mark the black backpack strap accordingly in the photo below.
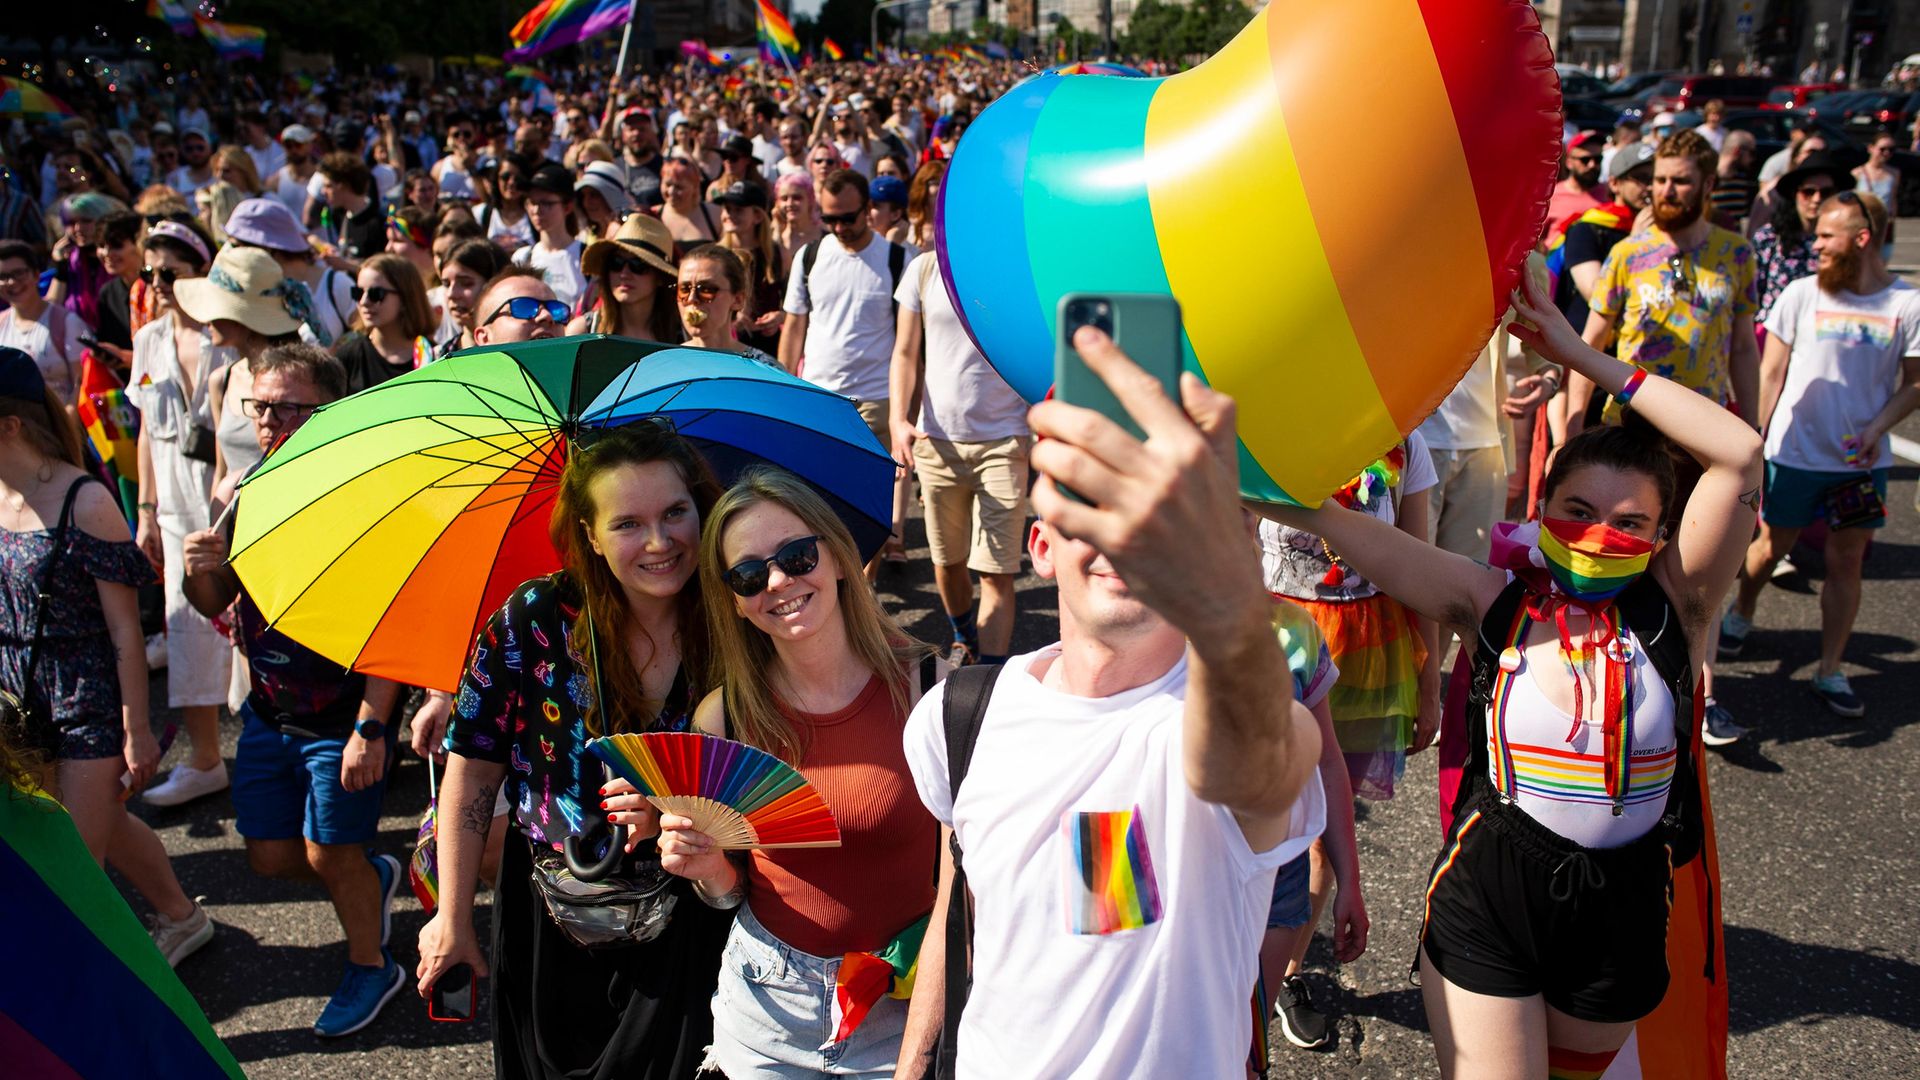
(896, 266)
(809, 255)
(968, 692)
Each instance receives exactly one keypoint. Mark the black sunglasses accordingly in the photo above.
(617, 263)
(842, 219)
(795, 558)
(528, 308)
(164, 274)
(373, 295)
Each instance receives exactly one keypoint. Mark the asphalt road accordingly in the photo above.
(1816, 819)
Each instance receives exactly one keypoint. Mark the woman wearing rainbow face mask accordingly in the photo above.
(1546, 911)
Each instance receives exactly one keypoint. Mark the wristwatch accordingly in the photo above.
(370, 729)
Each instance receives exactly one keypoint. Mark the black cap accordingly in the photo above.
(742, 193)
(552, 178)
(737, 146)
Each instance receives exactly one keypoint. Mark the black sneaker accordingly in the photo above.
(1720, 730)
(1303, 1025)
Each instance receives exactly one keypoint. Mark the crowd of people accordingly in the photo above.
(1709, 375)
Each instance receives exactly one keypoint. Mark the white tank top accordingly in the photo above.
(455, 182)
(1562, 784)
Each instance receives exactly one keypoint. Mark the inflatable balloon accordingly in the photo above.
(1340, 200)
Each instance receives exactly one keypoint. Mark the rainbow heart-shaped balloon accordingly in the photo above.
(1340, 199)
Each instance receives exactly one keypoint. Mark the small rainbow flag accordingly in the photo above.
(834, 51)
(175, 15)
(66, 917)
(232, 41)
(775, 31)
(113, 430)
(1111, 886)
(554, 24)
(866, 977)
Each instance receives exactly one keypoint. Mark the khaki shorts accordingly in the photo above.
(975, 491)
(875, 414)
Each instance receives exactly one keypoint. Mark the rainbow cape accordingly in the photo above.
(79, 959)
(865, 977)
(778, 43)
(554, 24)
(232, 41)
(113, 430)
(1606, 215)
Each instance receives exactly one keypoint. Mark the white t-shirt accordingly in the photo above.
(1153, 982)
(266, 161)
(856, 157)
(849, 309)
(560, 268)
(182, 181)
(1467, 418)
(769, 152)
(291, 192)
(963, 399)
(1847, 354)
(53, 340)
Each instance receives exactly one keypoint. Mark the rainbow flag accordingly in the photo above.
(866, 55)
(834, 51)
(777, 39)
(865, 978)
(176, 15)
(232, 41)
(113, 430)
(67, 918)
(554, 24)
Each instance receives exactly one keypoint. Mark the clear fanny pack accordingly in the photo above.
(622, 909)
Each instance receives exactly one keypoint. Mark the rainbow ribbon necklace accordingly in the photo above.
(1616, 719)
(1375, 482)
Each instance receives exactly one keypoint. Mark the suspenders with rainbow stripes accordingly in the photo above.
(1616, 717)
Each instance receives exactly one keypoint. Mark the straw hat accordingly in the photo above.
(641, 235)
(246, 286)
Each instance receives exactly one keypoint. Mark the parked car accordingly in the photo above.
(1575, 82)
(1798, 95)
(1883, 111)
(1693, 91)
(1834, 107)
(1629, 87)
(1586, 114)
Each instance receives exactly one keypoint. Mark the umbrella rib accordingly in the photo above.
(717, 410)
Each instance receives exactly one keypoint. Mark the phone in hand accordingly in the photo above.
(1146, 326)
(454, 994)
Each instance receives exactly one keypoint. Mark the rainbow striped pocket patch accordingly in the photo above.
(1110, 885)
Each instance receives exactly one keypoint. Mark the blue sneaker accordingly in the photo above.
(362, 993)
(388, 868)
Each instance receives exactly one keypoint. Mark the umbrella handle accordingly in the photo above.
(577, 862)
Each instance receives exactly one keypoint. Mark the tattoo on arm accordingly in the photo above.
(1750, 498)
(477, 816)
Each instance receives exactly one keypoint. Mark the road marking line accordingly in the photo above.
(1906, 448)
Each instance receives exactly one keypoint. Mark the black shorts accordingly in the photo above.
(1514, 909)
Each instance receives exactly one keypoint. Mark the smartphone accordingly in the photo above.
(454, 994)
(1146, 326)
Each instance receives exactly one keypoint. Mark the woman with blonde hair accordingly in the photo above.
(813, 670)
(233, 165)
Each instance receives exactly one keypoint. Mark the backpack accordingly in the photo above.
(896, 265)
(963, 708)
(1645, 609)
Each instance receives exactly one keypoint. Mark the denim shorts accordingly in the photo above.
(1292, 906)
(286, 786)
(773, 1014)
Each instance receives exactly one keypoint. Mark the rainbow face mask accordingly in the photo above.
(1592, 562)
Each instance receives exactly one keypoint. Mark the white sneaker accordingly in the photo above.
(179, 940)
(156, 652)
(185, 784)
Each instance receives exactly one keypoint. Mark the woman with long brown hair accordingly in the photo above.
(395, 321)
(812, 669)
(614, 642)
(632, 276)
(923, 199)
(747, 231)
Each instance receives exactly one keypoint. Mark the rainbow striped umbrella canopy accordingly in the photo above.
(1098, 67)
(1335, 309)
(387, 529)
(87, 994)
(19, 97)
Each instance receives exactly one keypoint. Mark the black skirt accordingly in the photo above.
(561, 1012)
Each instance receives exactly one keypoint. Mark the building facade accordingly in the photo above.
(1864, 37)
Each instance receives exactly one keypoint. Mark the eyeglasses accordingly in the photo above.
(528, 308)
(617, 263)
(1819, 191)
(842, 219)
(795, 558)
(164, 275)
(14, 277)
(700, 291)
(374, 295)
(254, 408)
(1581, 159)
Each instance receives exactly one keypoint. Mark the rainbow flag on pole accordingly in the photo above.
(777, 39)
(554, 24)
(232, 41)
(78, 959)
(174, 14)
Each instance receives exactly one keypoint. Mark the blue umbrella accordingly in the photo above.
(740, 412)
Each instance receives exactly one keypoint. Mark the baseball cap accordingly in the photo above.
(742, 193)
(412, 117)
(161, 127)
(299, 133)
(552, 178)
(1628, 158)
(20, 377)
(737, 146)
(1584, 139)
(632, 111)
(888, 189)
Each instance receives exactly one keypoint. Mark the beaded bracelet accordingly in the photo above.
(1625, 393)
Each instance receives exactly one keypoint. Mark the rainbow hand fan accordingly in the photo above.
(741, 796)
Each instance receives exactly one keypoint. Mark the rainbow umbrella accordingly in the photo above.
(386, 530)
(77, 958)
(1096, 67)
(19, 97)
